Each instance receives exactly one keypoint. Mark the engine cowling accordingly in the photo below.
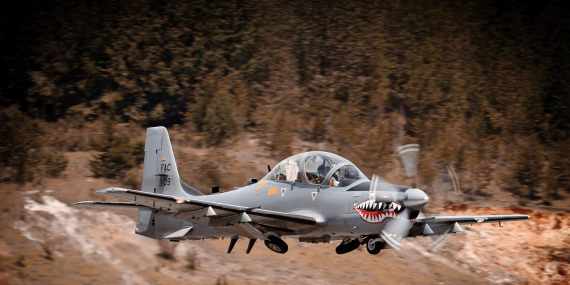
(413, 198)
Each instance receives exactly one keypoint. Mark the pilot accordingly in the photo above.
(335, 179)
(322, 170)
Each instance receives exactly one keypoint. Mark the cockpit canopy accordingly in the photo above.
(289, 169)
(317, 168)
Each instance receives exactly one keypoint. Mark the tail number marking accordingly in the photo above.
(164, 182)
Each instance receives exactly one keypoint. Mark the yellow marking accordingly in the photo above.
(261, 184)
(272, 191)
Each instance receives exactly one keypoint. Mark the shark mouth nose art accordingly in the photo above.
(376, 213)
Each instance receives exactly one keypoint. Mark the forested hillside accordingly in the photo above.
(481, 85)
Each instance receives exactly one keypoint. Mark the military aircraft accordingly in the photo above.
(311, 197)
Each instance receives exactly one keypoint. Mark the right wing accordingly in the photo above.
(483, 219)
(445, 224)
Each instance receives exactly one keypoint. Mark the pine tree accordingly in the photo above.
(219, 121)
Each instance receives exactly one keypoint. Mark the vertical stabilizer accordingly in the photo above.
(160, 174)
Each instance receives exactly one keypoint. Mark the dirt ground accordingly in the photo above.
(43, 240)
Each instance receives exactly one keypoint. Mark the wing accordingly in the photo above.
(449, 224)
(226, 217)
(113, 205)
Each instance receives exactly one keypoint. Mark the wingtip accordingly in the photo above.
(109, 190)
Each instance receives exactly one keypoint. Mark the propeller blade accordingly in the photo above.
(380, 185)
(372, 189)
(409, 154)
(444, 188)
(397, 230)
(454, 178)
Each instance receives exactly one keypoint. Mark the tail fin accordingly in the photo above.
(160, 174)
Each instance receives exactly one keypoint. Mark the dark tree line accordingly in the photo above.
(479, 84)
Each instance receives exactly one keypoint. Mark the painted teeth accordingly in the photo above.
(382, 211)
(370, 205)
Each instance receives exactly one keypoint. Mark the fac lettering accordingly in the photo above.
(164, 167)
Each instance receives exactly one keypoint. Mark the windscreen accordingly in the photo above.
(317, 166)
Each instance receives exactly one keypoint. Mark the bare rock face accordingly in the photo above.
(537, 250)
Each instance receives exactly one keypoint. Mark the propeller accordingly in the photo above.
(398, 227)
(413, 199)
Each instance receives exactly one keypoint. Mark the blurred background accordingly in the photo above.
(482, 86)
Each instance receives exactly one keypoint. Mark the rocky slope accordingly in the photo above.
(57, 244)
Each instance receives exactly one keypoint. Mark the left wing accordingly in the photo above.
(113, 205)
(208, 213)
(449, 224)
